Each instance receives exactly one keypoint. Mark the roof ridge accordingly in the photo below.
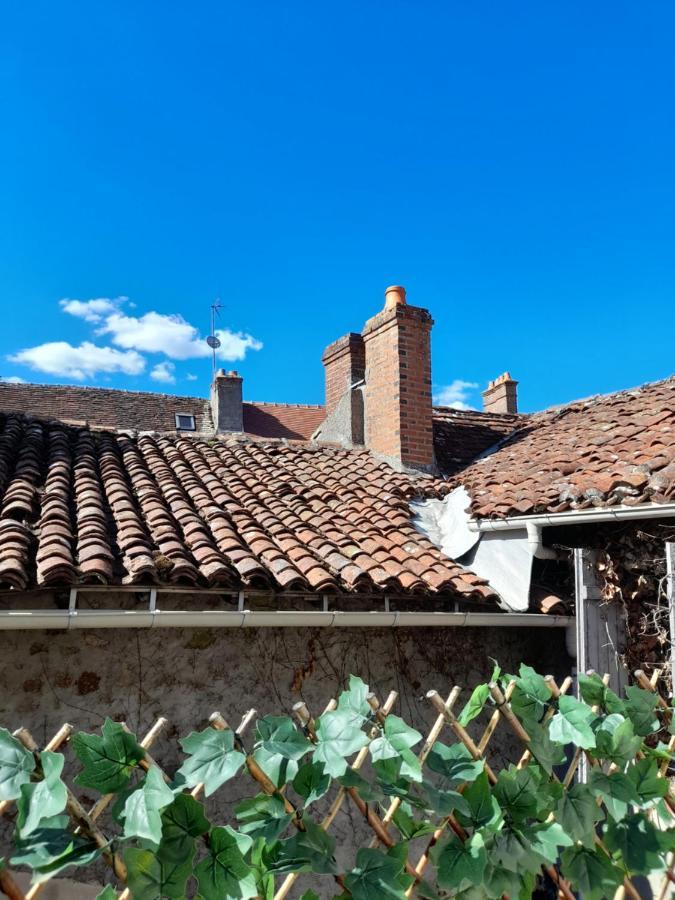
(91, 387)
(284, 405)
(598, 398)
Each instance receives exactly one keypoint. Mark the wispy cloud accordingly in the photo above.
(164, 372)
(191, 377)
(86, 361)
(92, 311)
(455, 395)
(12, 379)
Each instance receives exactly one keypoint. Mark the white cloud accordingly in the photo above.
(12, 379)
(155, 332)
(62, 359)
(191, 377)
(91, 310)
(455, 395)
(164, 372)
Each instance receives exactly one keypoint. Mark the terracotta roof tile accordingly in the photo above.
(462, 435)
(618, 448)
(79, 506)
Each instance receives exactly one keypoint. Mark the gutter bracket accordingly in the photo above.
(72, 606)
(152, 606)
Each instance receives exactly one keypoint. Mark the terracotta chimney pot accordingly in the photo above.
(394, 296)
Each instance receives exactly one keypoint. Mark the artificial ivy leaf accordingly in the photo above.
(500, 882)
(395, 744)
(16, 765)
(278, 735)
(224, 872)
(279, 769)
(264, 880)
(484, 808)
(263, 816)
(108, 759)
(578, 813)
(516, 792)
(50, 849)
(212, 759)
(546, 839)
(182, 822)
(444, 801)
(108, 893)
(615, 739)
(353, 703)
(460, 864)
(616, 789)
(454, 763)
(640, 709)
(547, 753)
(591, 872)
(596, 693)
(641, 845)
(337, 737)
(311, 850)
(42, 799)
(531, 696)
(649, 784)
(571, 724)
(155, 875)
(142, 810)
(408, 826)
(311, 782)
(377, 875)
(475, 704)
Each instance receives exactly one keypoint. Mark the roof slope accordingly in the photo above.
(618, 448)
(80, 506)
(462, 435)
(293, 421)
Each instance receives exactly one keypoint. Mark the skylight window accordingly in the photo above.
(185, 422)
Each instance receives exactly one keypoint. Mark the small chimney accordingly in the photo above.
(345, 364)
(226, 401)
(398, 412)
(501, 395)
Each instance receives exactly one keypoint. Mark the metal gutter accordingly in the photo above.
(15, 620)
(576, 517)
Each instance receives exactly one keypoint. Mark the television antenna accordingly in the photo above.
(212, 340)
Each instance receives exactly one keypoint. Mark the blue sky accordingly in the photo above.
(512, 164)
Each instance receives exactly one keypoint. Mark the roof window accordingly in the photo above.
(185, 422)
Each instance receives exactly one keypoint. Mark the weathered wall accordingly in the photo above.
(47, 678)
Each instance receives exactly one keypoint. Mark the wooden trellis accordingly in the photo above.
(502, 716)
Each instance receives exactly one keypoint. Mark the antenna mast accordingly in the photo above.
(212, 340)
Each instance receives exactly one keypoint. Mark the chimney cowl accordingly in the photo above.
(394, 296)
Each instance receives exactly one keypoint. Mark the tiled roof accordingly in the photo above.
(104, 407)
(462, 435)
(82, 506)
(282, 420)
(618, 448)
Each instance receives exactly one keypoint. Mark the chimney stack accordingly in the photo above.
(345, 363)
(226, 401)
(398, 412)
(501, 395)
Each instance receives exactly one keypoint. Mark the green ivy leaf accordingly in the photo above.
(460, 864)
(531, 696)
(353, 703)
(591, 872)
(484, 808)
(108, 759)
(16, 765)
(212, 759)
(444, 801)
(572, 723)
(337, 737)
(263, 816)
(279, 769)
(310, 895)
(649, 784)
(278, 735)
(640, 709)
(368, 791)
(182, 822)
(500, 881)
(616, 789)
(155, 875)
(547, 752)
(264, 880)
(143, 807)
(546, 839)
(224, 872)
(395, 743)
(596, 693)
(108, 893)
(408, 826)
(615, 739)
(454, 763)
(474, 707)
(311, 782)
(311, 850)
(50, 849)
(43, 799)
(578, 813)
(641, 846)
(377, 875)
(516, 792)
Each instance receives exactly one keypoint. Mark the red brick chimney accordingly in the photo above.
(501, 395)
(398, 413)
(345, 364)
